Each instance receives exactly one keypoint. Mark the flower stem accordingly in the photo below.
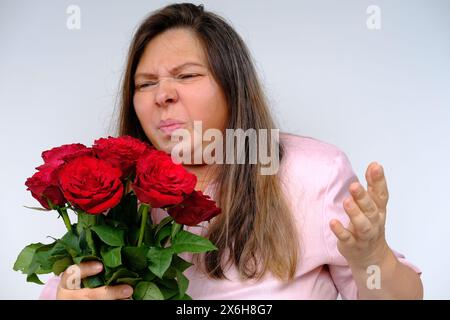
(65, 216)
(144, 219)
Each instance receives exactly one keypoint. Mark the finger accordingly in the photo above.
(101, 293)
(343, 234)
(359, 220)
(377, 185)
(71, 278)
(365, 202)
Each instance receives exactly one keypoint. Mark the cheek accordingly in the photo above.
(146, 116)
(208, 105)
(143, 109)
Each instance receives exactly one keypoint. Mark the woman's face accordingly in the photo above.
(173, 83)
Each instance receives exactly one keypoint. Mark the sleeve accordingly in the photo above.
(50, 288)
(341, 176)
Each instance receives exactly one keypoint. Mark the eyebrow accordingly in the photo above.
(174, 70)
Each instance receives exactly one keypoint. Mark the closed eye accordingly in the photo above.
(187, 76)
(144, 85)
(149, 84)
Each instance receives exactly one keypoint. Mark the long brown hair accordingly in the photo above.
(256, 230)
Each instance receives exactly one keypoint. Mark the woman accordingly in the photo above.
(308, 231)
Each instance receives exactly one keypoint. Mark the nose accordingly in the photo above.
(166, 93)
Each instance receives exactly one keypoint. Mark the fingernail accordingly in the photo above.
(355, 190)
(98, 266)
(349, 203)
(127, 291)
(379, 172)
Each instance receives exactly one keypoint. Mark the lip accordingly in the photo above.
(170, 125)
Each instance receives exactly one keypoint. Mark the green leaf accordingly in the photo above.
(131, 281)
(90, 242)
(135, 258)
(176, 227)
(34, 258)
(167, 283)
(58, 251)
(188, 242)
(180, 264)
(171, 273)
(112, 258)
(169, 288)
(41, 259)
(34, 278)
(61, 265)
(81, 259)
(183, 283)
(93, 282)
(159, 260)
(70, 241)
(168, 293)
(120, 273)
(109, 235)
(82, 242)
(147, 291)
(25, 258)
(116, 224)
(149, 276)
(184, 297)
(163, 223)
(163, 234)
(87, 243)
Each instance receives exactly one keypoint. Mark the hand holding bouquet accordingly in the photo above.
(111, 187)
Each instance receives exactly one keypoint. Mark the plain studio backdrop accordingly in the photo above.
(371, 77)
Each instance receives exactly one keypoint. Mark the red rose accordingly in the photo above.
(62, 154)
(44, 185)
(160, 182)
(195, 208)
(121, 152)
(91, 184)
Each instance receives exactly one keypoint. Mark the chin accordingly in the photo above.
(161, 146)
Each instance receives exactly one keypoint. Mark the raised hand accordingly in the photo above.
(363, 241)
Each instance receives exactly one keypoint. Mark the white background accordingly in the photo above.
(379, 95)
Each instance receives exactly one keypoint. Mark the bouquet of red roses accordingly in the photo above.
(111, 187)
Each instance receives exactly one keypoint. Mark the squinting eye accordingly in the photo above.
(186, 76)
(144, 85)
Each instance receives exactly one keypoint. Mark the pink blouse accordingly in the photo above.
(316, 176)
